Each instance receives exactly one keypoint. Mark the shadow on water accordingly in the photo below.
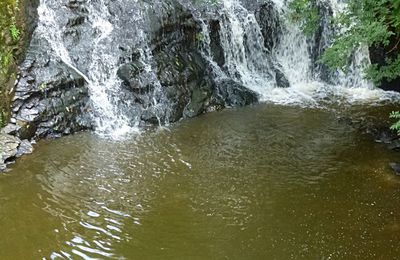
(256, 182)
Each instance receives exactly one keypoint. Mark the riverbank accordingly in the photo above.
(18, 19)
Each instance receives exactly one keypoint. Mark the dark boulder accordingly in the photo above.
(133, 76)
(267, 16)
(182, 71)
(10, 129)
(217, 51)
(281, 80)
(199, 100)
(233, 94)
(56, 104)
(394, 144)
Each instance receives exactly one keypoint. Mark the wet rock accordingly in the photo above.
(149, 116)
(8, 149)
(25, 147)
(396, 168)
(215, 43)
(31, 16)
(198, 102)
(126, 72)
(235, 94)
(281, 80)
(76, 21)
(12, 147)
(3, 166)
(26, 130)
(57, 104)
(394, 145)
(384, 135)
(10, 129)
(181, 69)
(321, 40)
(130, 74)
(267, 16)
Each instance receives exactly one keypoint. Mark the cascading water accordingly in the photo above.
(294, 55)
(96, 57)
(243, 44)
(47, 21)
(104, 84)
(101, 71)
(249, 62)
(281, 68)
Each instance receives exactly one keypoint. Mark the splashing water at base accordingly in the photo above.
(243, 44)
(103, 68)
(247, 61)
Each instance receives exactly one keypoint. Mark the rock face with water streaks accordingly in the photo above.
(49, 100)
(186, 74)
(151, 65)
(114, 64)
(52, 99)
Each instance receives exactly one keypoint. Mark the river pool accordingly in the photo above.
(260, 182)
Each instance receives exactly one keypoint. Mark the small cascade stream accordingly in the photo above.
(101, 77)
(246, 58)
(104, 86)
(249, 62)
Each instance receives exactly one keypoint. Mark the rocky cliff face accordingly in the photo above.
(52, 99)
(26, 18)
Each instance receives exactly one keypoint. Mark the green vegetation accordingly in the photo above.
(306, 14)
(14, 32)
(372, 23)
(396, 126)
(10, 38)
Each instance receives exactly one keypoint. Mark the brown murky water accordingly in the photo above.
(262, 182)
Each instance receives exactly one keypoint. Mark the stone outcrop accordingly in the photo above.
(50, 100)
(269, 20)
(11, 148)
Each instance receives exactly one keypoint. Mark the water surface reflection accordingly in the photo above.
(263, 181)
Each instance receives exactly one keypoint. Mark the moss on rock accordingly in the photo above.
(13, 36)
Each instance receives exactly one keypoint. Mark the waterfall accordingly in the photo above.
(100, 76)
(104, 85)
(96, 38)
(250, 63)
(246, 58)
(96, 57)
